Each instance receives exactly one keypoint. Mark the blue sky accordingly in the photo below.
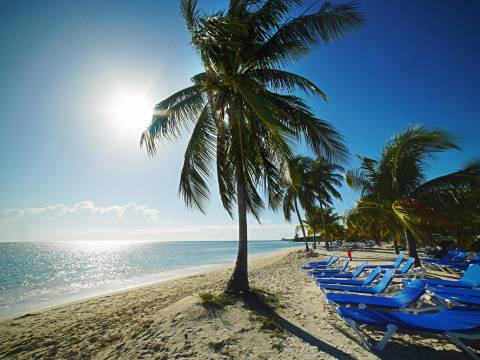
(78, 79)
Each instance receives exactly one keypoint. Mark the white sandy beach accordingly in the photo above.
(167, 321)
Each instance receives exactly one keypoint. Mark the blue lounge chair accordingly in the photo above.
(325, 262)
(395, 264)
(411, 293)
(407, 266)
(376, 289)
(470, 279)
(365, 281)
(475, 259)
(464, 265)
(356, 273)
(459, 257)
(341, 269)
(454, 290)
(451, 265)
(454, 324)
(453, 299)
(331, 262)
(447, 257)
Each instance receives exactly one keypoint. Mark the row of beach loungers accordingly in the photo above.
(367, 295)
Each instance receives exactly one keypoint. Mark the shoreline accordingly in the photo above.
(135, 283)
(167, 320)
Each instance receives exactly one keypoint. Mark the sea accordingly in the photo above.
(35, 275)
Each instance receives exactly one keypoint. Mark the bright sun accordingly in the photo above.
(129, 113)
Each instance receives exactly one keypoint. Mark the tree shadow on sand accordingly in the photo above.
(408, 350)
(257, 303)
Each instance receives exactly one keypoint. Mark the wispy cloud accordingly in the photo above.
(85, 220)
(83, 208)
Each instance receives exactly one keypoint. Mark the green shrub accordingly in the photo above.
(267, 323)
(264, 296)
(216, 301)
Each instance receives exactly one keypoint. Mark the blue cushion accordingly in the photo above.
(439, 322)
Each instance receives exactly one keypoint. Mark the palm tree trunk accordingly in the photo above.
(324, 227)
(395, 246)
(314, 240)
(412, 247)
(238, 282)
(301, 225)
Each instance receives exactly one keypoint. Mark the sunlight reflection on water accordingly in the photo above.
(39, 274)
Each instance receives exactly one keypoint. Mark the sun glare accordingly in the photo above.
(129, 113)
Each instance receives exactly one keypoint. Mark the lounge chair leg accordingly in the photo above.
(455, 338)
(362, 337)
(391, 330)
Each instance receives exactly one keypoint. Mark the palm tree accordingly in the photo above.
(370, 225)
(314, 222)
(394, 187)
(332, 226)
(298, 189)
(243, 110)
(309, 182)
(326, 176)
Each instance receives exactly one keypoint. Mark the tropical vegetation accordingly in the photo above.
(244, 110)
(326, 222)
(397, 200)
(311, 185)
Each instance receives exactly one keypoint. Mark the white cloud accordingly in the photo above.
(85, 220)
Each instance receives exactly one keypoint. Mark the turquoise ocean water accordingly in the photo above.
(34, 275)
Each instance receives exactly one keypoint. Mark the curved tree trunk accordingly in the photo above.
(301, 225)
(324, 228)
(238, 282)
(412, 247)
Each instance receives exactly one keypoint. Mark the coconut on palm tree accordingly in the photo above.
(395, 189)
(243, 111)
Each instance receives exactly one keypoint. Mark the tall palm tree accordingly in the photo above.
(243, 110)
(395, 187)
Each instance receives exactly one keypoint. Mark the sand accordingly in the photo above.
(168, 321)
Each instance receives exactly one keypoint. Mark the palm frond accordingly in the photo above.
(296, 37)
(280, 80)
(189, 13)
(465, 179)
(172, 116)
(225, 168)
(358, 181)
(406, 155)
(198, 160)
(320, 136)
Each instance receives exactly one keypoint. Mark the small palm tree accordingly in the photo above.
(326, 177)
(314, 222)
(298, 190)
(310, 182)
(332, 226)
(243, 110)
(394, 187)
